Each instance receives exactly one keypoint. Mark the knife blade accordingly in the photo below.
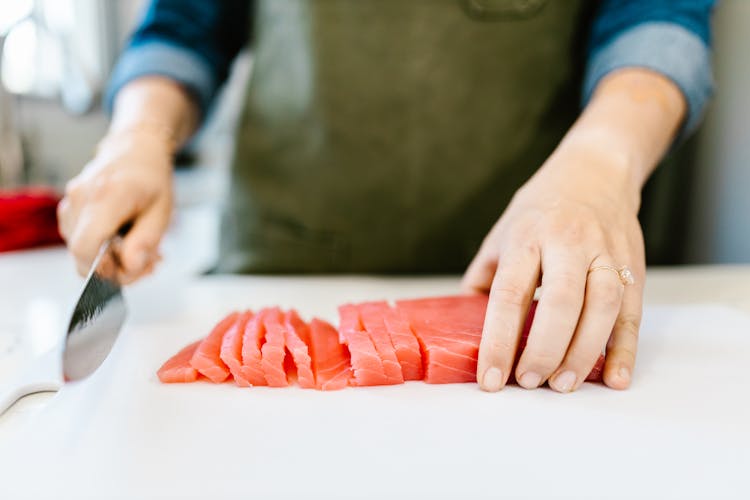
(97, 317)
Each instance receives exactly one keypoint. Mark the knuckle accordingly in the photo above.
(508, 293)
(574, 230)
(578, 360)
(542, 360)
(571, 231)
(527, 249)
(499, 346)
(496, 353)
(626, 352)
(628, 324)
(102, 187)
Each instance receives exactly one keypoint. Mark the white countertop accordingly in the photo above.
(37, 290)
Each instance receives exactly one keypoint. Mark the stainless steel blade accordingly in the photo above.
(96, 321)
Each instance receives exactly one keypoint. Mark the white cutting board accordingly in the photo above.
(681, 431)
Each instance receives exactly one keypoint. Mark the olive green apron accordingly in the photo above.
(389, 135)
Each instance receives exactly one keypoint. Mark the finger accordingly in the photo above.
(69, 207)
(126, 279)
(510, 296)
(602, 302)
(480, 273)
(139, 248)
(97, 221)
(65, 218)
(557, 313)
(623, 344)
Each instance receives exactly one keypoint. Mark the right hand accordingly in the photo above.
(129, 180)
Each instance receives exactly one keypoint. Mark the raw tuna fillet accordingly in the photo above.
(349, 321)
(330, 359)
(405, 344)
(371, 316)
(252, 339)
(367, 367)
(177, 369)
(297, 340)
(434, 339)
(597, 372)
(207, 357)
(231, 348)
(273, 353)
(449, 330)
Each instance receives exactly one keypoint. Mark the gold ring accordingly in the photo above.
(624, 274)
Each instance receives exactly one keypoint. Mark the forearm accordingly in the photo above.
(631, 120)
(155, 106)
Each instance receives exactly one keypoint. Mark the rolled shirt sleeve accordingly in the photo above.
(671, 37)
(192, 42)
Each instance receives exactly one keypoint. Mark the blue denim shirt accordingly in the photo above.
(195, 41)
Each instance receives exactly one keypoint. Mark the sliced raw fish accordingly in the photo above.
(297, 343)
(349, 321)
(231, 348)
(405, 344)
(207, 357)
(597, 372)
(371, 316)
(367, 367)
(433, 339)
(178, 369)
(449, 330)
(330, 359)
(252, 340)
(273, 352)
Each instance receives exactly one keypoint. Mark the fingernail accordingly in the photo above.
(493, 380)
(624, 373)
(564, 382)
(530, 380)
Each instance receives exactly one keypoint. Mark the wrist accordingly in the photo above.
(157, 135)
(593, 165)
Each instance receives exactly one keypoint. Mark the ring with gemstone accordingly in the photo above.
(623, 273)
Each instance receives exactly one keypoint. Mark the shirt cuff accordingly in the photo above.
(666, 48)
(163, 59)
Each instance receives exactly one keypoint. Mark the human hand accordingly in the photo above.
(578, 212)
(129, 180)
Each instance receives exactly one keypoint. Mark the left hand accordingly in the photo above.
(579, 211)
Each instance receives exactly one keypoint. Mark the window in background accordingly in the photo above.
(57, 49)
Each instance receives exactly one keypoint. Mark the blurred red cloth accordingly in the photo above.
(28, 218)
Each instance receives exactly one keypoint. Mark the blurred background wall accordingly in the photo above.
(75, 41)
(719, 212)
(58, 140)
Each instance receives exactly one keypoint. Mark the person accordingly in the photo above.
(390, 136)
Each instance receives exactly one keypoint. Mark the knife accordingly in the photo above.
(98, 315)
